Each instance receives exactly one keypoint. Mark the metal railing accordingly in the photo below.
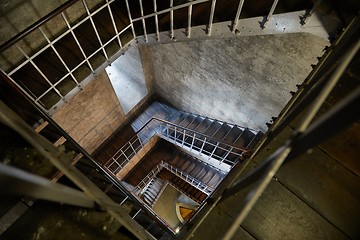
(309, 132)
(202, 144)
(131, 148)
(53, 88)
(189, 179)
(38, 98)
(141, 187)
(180, 136)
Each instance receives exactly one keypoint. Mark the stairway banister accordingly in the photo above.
(177, 126)
(202, 134)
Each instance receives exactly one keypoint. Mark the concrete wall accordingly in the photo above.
(243, 80)
(93, 114)
(127, 78)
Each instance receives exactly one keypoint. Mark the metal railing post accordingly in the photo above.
(143, 20)
(237, 16)
(267, 18)
(114, 24)
(188, 31)
(211, 18)
(95, 29)
(77, 42)
(41, 73)
(130, 18)
(172, 20)
(156, 22)
(60, 58)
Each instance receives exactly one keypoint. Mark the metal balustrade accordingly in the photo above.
(198, 142)
(142, 186)
(52, 88)
(187, 178)
(178, 135)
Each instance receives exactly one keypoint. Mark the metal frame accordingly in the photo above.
(118, 32)
(178, 135)
(50, 44)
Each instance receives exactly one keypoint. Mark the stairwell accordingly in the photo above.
(52, 86)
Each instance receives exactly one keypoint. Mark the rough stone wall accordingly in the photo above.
(244, 80)
(93, 114)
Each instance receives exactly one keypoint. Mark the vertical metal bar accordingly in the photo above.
(132, 147)
(211, 18)
(123, 201)
(226, 154)
(266, 20)
(41, 73)
(215, 147)
(188, 32)
(114, 24)
(172, 20)
(202, 146)
(156, 22)
(183, 140)
(127, 159)
(143, 20)
(236, 20)
(130, 18)
(192, 142)
(308, 14)
(77, 42)
(136, 213)
(61, 60)
(96, 32)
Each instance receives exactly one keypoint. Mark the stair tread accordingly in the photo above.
(245, 138)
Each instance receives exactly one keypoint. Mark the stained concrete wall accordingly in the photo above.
(93, 114)
(244, 80)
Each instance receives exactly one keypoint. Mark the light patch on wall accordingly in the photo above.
(127, 78)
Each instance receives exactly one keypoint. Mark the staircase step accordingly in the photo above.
(180, 118)
(204, 125)
(245, 138)
(200, 175)
(212, 129)
(222, 131)
(234, 133)
(190, 168)
(233, 156)
(214, 180)
(207, 177)
(195, 123)
(188, 121)
(195, 171)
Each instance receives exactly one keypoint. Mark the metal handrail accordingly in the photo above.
(141, 187)
(188, 178)
(127, 158)
(211, 155)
